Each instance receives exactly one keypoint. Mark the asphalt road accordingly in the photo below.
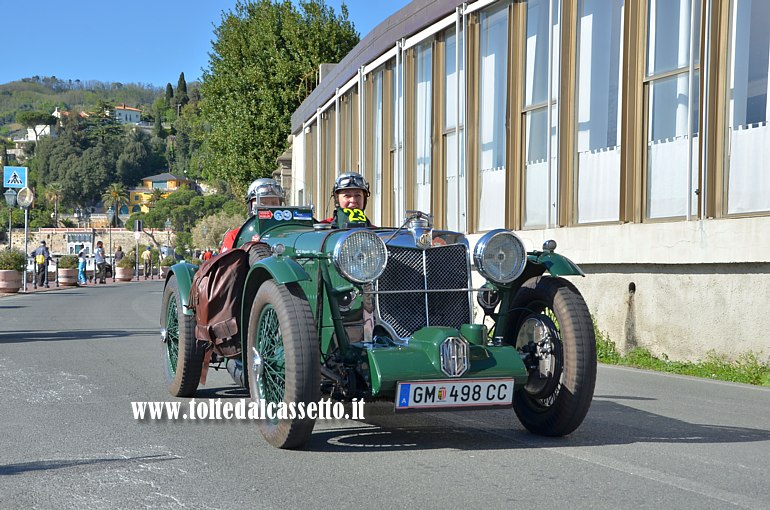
(72, 361)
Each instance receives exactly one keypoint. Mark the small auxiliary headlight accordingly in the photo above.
(360, 256)
(500, 256)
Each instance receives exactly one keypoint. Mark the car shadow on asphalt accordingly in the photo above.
(80, 334)
(608, 423)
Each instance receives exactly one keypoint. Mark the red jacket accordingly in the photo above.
(228, 243)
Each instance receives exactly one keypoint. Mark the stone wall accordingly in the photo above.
(57, 239)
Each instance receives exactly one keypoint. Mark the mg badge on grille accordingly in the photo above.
(425, 240)
(454, 356)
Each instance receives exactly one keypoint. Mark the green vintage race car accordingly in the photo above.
(349, 311)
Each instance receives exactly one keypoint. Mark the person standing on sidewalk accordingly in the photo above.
(100, 262)
(82, 267)
(41, 256)
(147, 259)
(119, 255)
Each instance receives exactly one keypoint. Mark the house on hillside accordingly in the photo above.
(60, 114)
(41, 130)
(127, 115)
(139, 197)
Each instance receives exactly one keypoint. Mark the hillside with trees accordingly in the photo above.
(227, 130)
(43, 94)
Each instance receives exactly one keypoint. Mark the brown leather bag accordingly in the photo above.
(215, 296)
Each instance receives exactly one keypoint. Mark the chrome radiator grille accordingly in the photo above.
(411, 272)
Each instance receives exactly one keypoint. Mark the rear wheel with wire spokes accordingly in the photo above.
(182, 352)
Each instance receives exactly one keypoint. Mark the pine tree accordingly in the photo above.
(158, 126)
(169, 94)
(181, 91)
(181, 86)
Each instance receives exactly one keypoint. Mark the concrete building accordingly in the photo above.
(633, 132)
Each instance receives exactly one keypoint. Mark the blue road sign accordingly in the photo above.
(15, 176)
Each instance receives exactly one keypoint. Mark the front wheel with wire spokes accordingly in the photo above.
(283, 360)
(554, 333)
(182, 352)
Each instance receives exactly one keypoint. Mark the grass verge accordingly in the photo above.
(748, 368)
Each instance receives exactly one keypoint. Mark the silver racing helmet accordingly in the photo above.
(262, 189)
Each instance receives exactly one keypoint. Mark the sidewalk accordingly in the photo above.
(52, 286)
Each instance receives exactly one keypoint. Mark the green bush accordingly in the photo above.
(168, 261)
(127, 262)
(606, 351)
(68, 262)
(195, 261)
(12, 260)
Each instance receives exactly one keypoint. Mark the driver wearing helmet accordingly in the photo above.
(262, 192)
(350, 191)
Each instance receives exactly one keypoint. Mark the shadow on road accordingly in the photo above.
(44, 465)
(608, 423)
(82, 334)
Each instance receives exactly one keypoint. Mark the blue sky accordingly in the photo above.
(128, 41)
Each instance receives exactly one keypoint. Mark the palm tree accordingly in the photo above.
(116, 196)
(157, 196)
(54, 193)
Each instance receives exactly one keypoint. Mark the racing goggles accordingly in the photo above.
(268, 190)
(352, 182)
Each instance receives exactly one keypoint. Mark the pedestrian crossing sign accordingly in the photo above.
(15, 176)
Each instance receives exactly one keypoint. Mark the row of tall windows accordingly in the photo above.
(519, 115)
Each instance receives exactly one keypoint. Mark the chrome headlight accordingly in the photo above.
(360, 256)
(500, 256)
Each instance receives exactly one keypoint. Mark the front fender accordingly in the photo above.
(184, 275)
(557, 265)
(281, 269)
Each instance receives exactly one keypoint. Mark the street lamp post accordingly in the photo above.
(10, 199)
(25, 199)
(110, 217)
(204, 231)
(168, 226)
(169, 251)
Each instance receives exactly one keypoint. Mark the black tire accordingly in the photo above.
(556, 405)
(282, 336)
(257, 252)
(182, 352)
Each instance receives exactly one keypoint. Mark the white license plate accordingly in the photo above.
(458, 393)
